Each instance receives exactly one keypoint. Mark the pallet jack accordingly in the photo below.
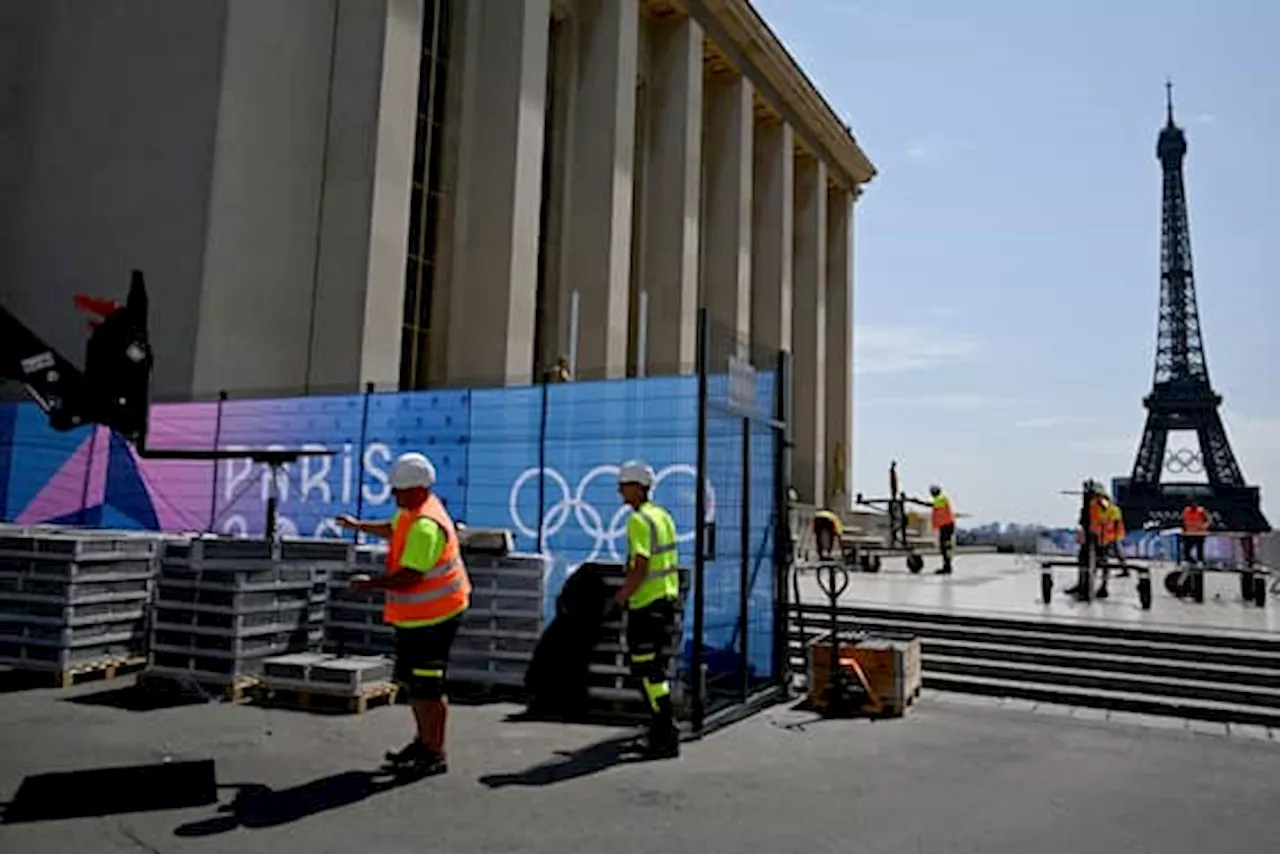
(848, 692)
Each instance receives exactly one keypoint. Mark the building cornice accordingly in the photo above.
(749, 43)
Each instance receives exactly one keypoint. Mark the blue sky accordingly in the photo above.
(1007, 256)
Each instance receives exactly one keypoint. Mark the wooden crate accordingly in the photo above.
(892, 667)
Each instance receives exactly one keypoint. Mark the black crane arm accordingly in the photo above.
(112, 390)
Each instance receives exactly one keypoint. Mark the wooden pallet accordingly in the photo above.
(85, 671)
(324, 701)
(236, 690)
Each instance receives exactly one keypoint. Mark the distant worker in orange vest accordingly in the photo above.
(826, 532)
(1109, 531)
(1195, 526)
(944, 522)
(1091, 534)
(427, 592)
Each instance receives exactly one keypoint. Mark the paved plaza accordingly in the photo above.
(958, 774)
(1009, 586)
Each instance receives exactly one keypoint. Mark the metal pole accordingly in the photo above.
(698, 700)
(744, 572)
(364, 429)
(273, 499)
(88, 476)
(642, 335)
(574, 300)
(542, 467)
(782, 540)
(217, 443)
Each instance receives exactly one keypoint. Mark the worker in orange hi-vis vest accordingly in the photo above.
(944, 523)
(1108, 522)
(1195, 527)
(1091, 533)
(427, 592)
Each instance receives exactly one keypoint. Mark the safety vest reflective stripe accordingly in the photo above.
(442, 568)
(426, 596)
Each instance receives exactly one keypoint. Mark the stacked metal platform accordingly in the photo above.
(501, 629)
(224, 605)
(353, 622)
(74, 600)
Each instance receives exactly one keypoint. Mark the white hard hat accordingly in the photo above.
(636, 472)
(412, 471)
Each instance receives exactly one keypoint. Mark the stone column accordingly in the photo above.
(669, 234)
(365, 205)
(726, 203)
(597, 260)
(809, 330)
(772, 234)
(839, 347)
(498, 196)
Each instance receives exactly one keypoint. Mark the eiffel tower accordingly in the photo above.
(1182, 398)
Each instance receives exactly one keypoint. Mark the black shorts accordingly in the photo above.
(425, 648)
(651, 632)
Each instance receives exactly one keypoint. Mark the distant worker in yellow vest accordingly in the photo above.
(427, 592)
(650, 594)
(1115, 537)
(827, 529)
(944, 523)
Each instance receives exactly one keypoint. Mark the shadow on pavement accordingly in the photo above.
(113, 791)
(256, 806)
(131, 698)
(572, 764)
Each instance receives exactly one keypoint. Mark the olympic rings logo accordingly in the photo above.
(572, 500)
(1183, 460)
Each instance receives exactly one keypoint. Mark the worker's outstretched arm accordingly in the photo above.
(377, 529)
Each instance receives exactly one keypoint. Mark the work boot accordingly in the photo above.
(946, 570)
(664, 735)
(1101, 592)
(415, 758)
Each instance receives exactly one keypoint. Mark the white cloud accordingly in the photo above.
(898, 349)
(937, 150)
(918, 151)
(1047, 422)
